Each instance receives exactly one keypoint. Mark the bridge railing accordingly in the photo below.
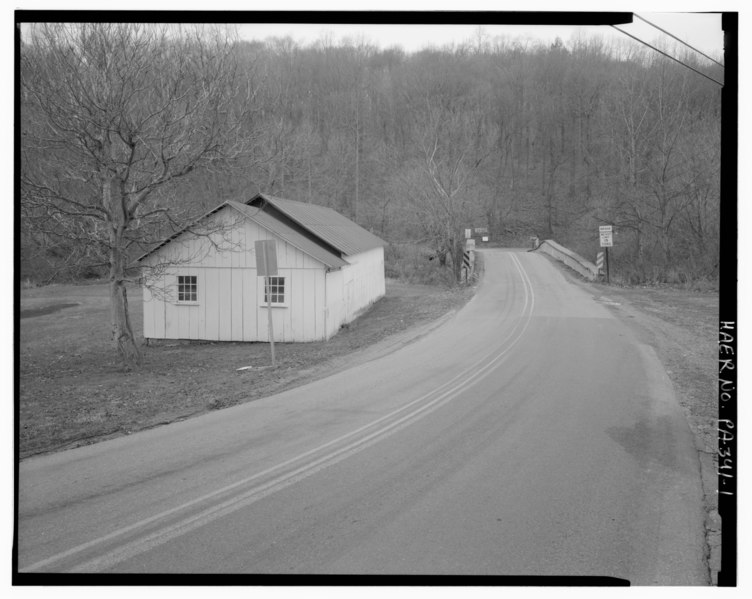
(566, 256)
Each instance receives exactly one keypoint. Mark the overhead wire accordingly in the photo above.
(678, 40)
(667, 55)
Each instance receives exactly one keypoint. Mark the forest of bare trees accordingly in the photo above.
(547, 140)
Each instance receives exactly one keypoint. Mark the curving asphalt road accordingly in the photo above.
(530, 435)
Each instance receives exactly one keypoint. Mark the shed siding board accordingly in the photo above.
(238, 311)
(313, 320)
(302, 303)
(365, 281)
(224, 290)
(250, 310)
(319, 303)
(230, 294)
(352, 289)
(211, 285)
(202, 294)
(171, 315)
(159, 310)
(148, 313)
(150, 307)
(196, 312)
(335, 312)
(182, 320)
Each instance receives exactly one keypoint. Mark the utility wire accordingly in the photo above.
(678, 40)
(667, 55)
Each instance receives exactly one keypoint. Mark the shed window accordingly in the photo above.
(274, 290)
(187, 288)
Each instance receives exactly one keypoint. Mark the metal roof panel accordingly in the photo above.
(289, 235)
(329, 225)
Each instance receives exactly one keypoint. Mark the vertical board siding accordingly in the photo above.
(201, 325)
(318, 309)
(211, 285)
(172, 324)
(238, 307)
(230, 294)
(150, 307)
(160, 313)
(250, 311)
(224, 290)
(296, 290)
(352, 289)
(335, 309)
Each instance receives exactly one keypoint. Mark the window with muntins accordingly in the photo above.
(187, 288)
(274, 291)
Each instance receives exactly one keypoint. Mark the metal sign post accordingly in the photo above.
(608, 280)
(266, 265)
(607, 240)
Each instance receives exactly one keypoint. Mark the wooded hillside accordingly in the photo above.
(524, 139)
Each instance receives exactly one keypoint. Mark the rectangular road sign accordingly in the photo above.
(266, 258)
(607, 236)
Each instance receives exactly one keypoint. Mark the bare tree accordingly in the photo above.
(113, 115)
(439, 185)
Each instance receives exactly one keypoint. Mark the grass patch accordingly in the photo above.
(74, 390)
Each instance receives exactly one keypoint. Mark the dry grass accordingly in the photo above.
(74, 390)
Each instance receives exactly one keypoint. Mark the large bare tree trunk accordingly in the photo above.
(122, 334)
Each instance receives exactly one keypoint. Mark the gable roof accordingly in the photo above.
(330, 226)
(322, 233)
(272, 224)
(288, 234)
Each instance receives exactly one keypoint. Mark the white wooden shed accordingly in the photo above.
(202, 282)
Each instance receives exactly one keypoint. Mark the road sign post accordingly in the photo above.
(266, 266)
(606, 233)
(608, 273)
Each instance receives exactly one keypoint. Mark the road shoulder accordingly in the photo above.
(680, 325)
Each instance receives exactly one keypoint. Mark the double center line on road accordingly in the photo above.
(146, 534)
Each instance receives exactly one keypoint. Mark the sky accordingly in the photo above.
(681, 18)
(702, 31)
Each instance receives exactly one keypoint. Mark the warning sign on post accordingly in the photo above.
(607, 236)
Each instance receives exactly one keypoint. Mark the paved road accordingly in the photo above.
(529, 435)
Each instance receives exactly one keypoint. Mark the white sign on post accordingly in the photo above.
(266, 258)
(607, 236)
(266, 266)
